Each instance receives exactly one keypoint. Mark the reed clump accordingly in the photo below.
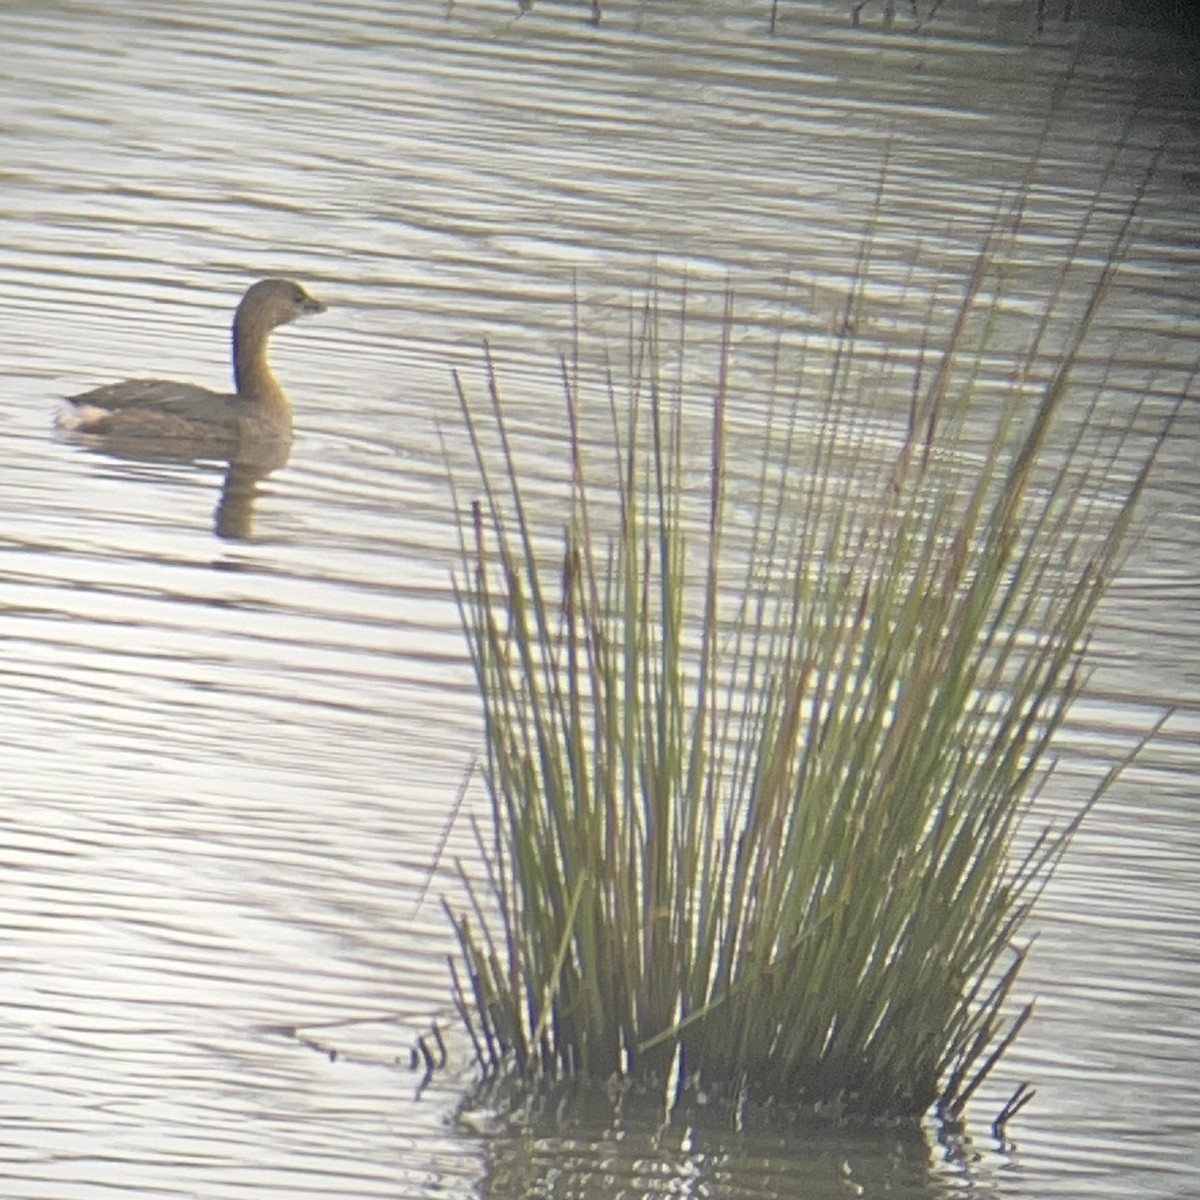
(763, 769)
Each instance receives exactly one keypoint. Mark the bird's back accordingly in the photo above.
(169, 395)
(161, 408)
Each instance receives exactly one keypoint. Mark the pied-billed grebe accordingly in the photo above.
(166, 409)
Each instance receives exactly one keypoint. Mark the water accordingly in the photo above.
(233, 735)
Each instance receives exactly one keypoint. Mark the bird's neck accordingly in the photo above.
(252, 376)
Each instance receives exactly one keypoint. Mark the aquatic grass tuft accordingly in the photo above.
(764, 748)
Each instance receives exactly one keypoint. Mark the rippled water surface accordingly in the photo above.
(236, 713)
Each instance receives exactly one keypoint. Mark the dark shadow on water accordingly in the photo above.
(246, 465)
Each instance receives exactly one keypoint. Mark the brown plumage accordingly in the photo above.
(172, 411)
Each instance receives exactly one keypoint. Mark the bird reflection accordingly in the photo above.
(234, 515)
(247, 463)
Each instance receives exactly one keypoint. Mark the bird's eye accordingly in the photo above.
(297, 297)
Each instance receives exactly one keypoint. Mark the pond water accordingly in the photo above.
(234, 728)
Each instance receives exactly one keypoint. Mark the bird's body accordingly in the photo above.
(168, 410)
